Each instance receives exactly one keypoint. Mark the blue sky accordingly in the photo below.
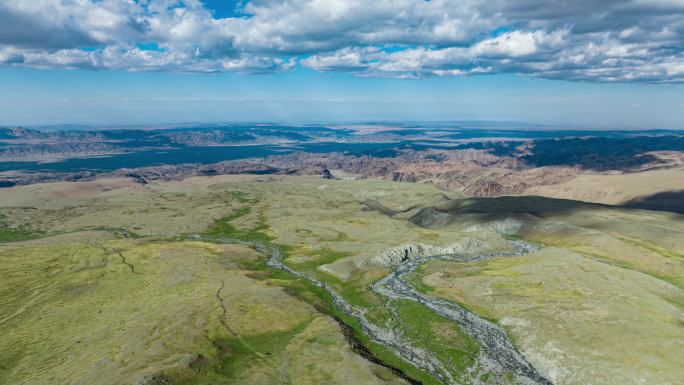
(154, 62)
(56, 96)
(224, 8)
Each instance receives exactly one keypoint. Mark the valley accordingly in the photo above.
(338, 192)
(299, 279)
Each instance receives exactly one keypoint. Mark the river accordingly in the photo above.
(497, 351)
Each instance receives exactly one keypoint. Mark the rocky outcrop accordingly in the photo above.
(141, 179)
(489, 187)
(327, 174)
(398, 255)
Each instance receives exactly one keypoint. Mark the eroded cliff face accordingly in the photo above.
(397, 255)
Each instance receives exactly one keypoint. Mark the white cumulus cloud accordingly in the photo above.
(583, 40)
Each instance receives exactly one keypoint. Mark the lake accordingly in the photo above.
(204, 155)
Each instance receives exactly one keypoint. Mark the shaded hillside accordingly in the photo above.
(672, 201)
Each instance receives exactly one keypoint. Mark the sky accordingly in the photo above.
(582, 63)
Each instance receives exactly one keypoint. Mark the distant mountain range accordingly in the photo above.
(477, 162)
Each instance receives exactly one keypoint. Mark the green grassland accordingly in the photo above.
(107, 282)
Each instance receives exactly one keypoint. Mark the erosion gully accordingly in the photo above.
(496, 349)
